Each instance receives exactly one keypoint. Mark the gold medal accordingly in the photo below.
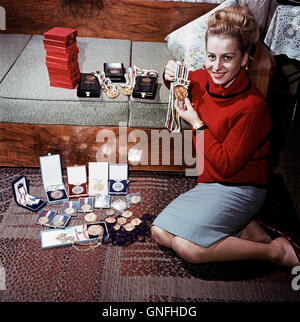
(112, 92)
(126, 214)
(58, 223)
(129, 227)
(116, 227)
(121, 220)
(95, 230)
(43, 220)
(56, 194)
(86, 207)
(110, 220)
(180, 92)
(110, 212)
(90, 217)
(135, 199)
(135, 221)
(127, 90)
(69, 210)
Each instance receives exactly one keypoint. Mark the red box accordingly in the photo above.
(72, 66)
(69, 57)
(69, 85)
(65, 76)
(61, 61)
(62, 50)
(58, 43)
(61, 34)
(67, 79)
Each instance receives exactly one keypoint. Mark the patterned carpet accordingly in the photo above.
(141, 272)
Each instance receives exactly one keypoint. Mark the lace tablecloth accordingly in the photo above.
(283, 36)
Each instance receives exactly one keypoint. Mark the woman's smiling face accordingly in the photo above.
(223, 59)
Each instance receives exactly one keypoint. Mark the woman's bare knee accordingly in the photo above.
(161, 236)
(189, 251)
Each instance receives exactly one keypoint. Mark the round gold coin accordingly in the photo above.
(116, 227)
(135, 221)
(98, 186)
(121, 220)
(180, 92)
(126, 214)
(95, 230)
(129, 227)
(43, 220)
(112, 93)
(110, 212)
(127, 90)
(56, 194)
(90, 217)
(135, 199)
(69, 210)
(110, 220)
(86, 207)
(58, 223)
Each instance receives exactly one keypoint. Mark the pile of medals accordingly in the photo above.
(113, 91)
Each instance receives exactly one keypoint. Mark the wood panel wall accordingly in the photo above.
(120, 19)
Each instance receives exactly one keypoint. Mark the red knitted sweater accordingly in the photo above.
(236, 140)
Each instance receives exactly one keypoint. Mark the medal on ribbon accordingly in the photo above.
(109, 89)
(179, 91)
(127, 89)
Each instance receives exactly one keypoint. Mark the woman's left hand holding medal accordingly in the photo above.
(186, 111)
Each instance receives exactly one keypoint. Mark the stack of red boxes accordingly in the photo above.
(62, 57)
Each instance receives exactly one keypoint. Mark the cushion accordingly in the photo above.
(26, 96)
(11, 47)
(150, 113)
(187, 44)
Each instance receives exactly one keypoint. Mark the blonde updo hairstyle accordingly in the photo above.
(236, 22)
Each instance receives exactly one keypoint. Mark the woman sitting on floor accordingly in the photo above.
(214, 221)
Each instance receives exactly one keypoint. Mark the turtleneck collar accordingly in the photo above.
(240, 85)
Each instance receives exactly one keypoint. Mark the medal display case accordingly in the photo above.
(86, 204)
(77, 181)
(52, 179)
(115, 72)
(70, 208)
(145, 87)
(98, 178)
(23, 198)
(102, 201)
(134, 198)
(78, 234)
(51, 218)
(88, 86)
(118, 179)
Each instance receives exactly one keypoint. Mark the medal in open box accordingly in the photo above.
(51, 218)
(22, 196)
(75, 235)
(86, 204)
(52, 179)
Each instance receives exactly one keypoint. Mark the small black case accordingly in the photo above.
(115, 72)
(145, 87)
(88, 86)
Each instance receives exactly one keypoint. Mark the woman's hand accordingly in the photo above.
(170, 70)
(187, 112)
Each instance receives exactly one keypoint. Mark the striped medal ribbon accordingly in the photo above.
(173, 119)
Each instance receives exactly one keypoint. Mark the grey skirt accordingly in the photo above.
(211, 211)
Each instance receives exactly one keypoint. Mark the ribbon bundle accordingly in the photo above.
(173, 119)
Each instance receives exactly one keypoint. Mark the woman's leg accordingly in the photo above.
(161, 236)
(255, 232)
(278, 251)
